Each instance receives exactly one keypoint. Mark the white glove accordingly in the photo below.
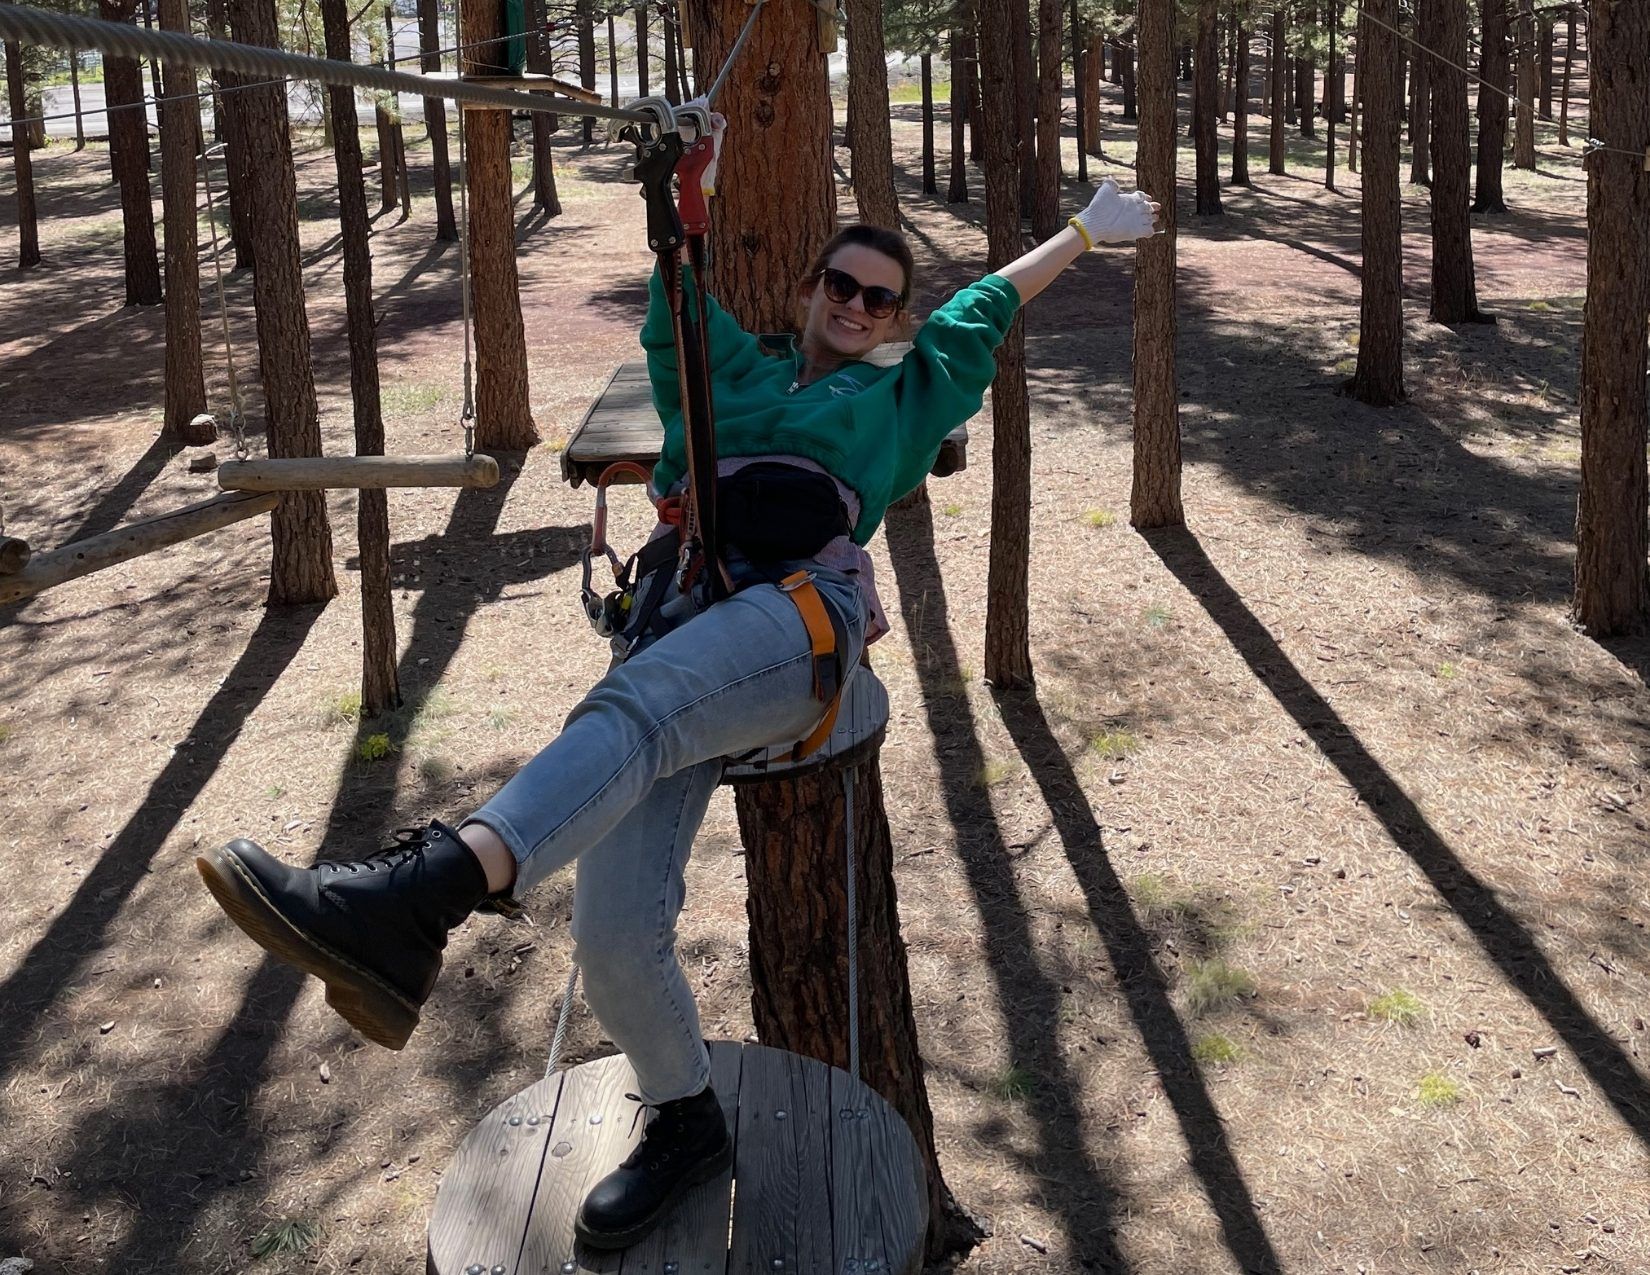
(1115, 218)
(718, 128)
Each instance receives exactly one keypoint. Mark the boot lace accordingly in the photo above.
(408, 845)
(659, 1135)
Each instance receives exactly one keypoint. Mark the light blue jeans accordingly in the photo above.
(625, 786)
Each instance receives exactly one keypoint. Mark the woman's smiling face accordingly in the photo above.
(842, 328)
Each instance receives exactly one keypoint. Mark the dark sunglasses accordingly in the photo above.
(841, 287)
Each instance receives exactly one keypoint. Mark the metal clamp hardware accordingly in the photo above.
(658, 148)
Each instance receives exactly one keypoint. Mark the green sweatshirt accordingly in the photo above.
(876, 430)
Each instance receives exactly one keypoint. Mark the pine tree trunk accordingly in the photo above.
(1025, 98)
(1131, 104)
(1564, 92)
(1155, 498)
(612, 61)
(387, 187)
(868, 96)
(74, 88)
(976, 113)
(1240, 108)
(1306, 81)
(1524, 126)
(1045, 210)
(1420, 101)
(1493, 70)
(668, 36)
(1226, 36)
(586, 18)
(129, 155)
(301, 566)
(1278, 150)
(238, 176)
(185, 378)
(1357, 98)
(380, 689)
(961, 54)
(1080, 92)
(1090, 80)
(1007, 624)
(1454, 289)
(1331, 94)
(1205, 91)
(1291, 106)
(641, 51)
(435, 123)
(1612, 584)
(1545, 69)
(504, 415)
(1379, 378)
(930, 183)
(28, 226)
(546, 198)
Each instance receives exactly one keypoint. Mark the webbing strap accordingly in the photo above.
(829, 676)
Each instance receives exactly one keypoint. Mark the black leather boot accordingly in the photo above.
(685, 1143)
(372, 930)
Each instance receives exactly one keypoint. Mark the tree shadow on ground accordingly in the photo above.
(1498, 932)
(55, 962)
(1030, 999)
(211, 1096)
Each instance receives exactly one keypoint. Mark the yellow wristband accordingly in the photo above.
(1077, 225)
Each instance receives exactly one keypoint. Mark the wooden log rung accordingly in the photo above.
(14, 554)
(320, 473)
(95, 553)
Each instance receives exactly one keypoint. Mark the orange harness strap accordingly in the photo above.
(828, 673)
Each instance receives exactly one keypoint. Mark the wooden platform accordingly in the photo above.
(622, 425)
(826, 1178)
(526, 82)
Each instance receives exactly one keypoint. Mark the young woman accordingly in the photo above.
(625, 786)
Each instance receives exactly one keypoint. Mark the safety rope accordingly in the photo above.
(69, 31)
(237, 419)
(560, 1038)
(467, 414)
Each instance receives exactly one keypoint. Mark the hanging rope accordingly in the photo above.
(68, 31)
(237, 421)
(467, 415)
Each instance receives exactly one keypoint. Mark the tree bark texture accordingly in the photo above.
(504, 415)
(1155, 498)
(1454, 288)
(1277, 149)
(1025, 96)
(185, 377)
(776, 193)
(1544, 55)
(232, 116)
(28, 221)
(930, 183)
(1352, 136)
(1493, 70)
(641, 51)
(873, 140)
(1131, 102)
(435, 122)
(1420, 100)
(1379, 378)
(586, 20)
(1090, 130)
(1331, 94)
(794, 834)
(1007, 623)
(1306, 80)
(976, 114)
(1226, 38)
(546, 198)
(1205, 92)
(380, 686)
(1086, 108)
(129, 156)
(1524, 125)
(301, 566)
(1612, 588)
(1045, 208)
(1240, 109)
(961, 52)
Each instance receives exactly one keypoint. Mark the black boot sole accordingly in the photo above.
(610, 1240)
(369, 1004)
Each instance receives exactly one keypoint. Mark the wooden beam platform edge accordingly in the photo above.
(322, 473)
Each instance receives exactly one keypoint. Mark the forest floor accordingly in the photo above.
(1296, 921)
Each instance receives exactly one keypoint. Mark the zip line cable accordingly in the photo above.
(69, 31)
(1593, 144)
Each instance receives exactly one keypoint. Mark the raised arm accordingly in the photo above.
(732, 350)
(1111, 217)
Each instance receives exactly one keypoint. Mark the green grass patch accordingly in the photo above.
(1156, 617)
(995, 772)
(952, 510)
(909, 94)
(1213, 983)
(1099, 519)
(342, 710)
(435, 769)
(499, 718)
(1346, 367)
(1216, 1050)
(1446, 672)
(1398, 1006)
(5, 732)
(290, 1235)
(1115, 745)
(1540, 307)
(374, 748)
(275, 792)
(410, 398)
(1012, 1084)
(1437, 1090)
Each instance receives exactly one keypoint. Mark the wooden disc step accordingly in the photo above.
(826, 1179)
